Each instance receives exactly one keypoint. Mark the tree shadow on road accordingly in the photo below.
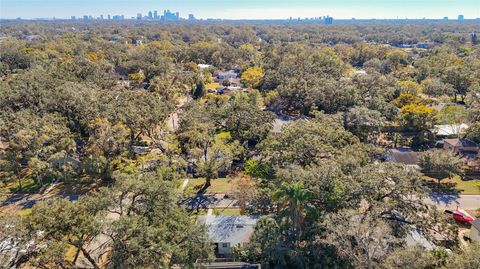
(198, 202)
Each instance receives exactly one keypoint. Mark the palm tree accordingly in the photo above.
(294, 206)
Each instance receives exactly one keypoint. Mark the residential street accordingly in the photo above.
(445, 201)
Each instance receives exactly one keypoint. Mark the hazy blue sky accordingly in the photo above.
(245, 9)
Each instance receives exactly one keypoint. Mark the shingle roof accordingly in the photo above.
(460, 142)
(229, 229)
(404, 156)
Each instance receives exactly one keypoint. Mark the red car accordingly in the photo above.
(460, 216)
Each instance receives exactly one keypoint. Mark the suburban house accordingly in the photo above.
(442, 105)
(204, 66)
(472, 166)
(235, 82)
(231, 74)
(405, 156)
(141, 150)
(360, 72)
(415, 237)
(449, 130)
(31, 37)
(475, 231)
(469, 151)
(66, 160)
(227, 265)
(461, 146)
(425, 45)
(283, 120)
(228, 231)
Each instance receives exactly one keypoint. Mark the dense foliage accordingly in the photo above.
(124, 110)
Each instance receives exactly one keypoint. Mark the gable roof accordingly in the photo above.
(229, 229)
(461, 142)
(415, 237)
(403, 155)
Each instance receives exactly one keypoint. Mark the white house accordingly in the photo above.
(203, 66)
(228, 231)
(360, 72)
(450, 130)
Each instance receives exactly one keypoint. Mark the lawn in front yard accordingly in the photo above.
(218, 185)
(28, 186)
(455, 185)
(226, 211)
(25, 212)
(213, 85)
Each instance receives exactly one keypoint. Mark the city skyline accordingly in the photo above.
(248, 9)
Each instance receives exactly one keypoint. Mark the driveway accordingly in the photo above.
(454, 201)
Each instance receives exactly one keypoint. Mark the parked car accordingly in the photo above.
(460, 216)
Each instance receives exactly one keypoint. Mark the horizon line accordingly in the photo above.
(97, 18)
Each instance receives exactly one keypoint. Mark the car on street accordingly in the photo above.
(460, 216)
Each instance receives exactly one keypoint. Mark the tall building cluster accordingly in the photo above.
(324, 19)
(151, 15)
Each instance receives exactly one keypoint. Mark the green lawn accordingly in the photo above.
(227, 211)
(212, 85)
(25, 212)
(455, 185)
(219, 185)
(28, 186)
(467, 186)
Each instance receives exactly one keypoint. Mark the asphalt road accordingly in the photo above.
(446, 201)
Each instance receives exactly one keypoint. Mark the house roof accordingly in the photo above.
(229, 229)
(360, 72)
(229, 265)
(202, 66)
(476, 224)
(450, 129)
(460, 142)
(141, 150)
(227, 73)
(415, 237)
(65, 160)
(3, 145)
(282, 120)
(278, 125)
(404, 155)
(440, 106)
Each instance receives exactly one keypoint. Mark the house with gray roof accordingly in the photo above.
(404, 156)
(228, 231)
(223, 75)
(460, 146)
